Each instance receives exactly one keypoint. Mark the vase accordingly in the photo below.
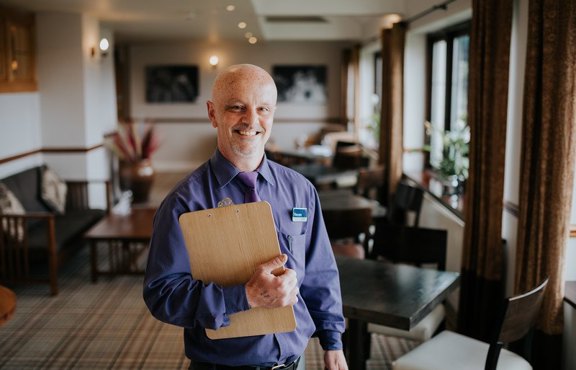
(137, 177)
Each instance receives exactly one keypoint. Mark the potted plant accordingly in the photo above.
(453, 167)
(134, 145)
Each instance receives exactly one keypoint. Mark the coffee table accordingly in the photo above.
(125, 236)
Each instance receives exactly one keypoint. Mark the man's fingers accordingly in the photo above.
(275, 263)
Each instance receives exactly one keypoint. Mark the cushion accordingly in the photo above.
(26, 187)
(10, 204)
(449, 350)
(69, 226)
(53, 191)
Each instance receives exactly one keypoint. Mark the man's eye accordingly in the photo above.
(235, 108)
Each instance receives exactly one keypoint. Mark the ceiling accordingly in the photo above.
(267, 20)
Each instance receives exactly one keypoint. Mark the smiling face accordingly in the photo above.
(242, 111)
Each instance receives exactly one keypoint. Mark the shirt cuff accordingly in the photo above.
(235, 299)
(330, 340)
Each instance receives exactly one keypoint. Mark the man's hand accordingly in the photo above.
(335, 360)
(270, 286)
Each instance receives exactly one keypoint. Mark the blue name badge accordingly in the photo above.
(299, 214)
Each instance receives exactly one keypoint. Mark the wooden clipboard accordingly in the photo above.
(225, 245)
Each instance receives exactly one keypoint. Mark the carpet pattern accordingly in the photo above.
(107, 326)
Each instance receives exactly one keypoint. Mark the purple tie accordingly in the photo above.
(249, 179)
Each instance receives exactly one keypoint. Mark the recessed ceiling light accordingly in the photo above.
(230, 8)
(252, 40)
(242, 25)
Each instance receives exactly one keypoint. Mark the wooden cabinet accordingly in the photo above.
(17, 52)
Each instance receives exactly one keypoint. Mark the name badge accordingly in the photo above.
(299, 214)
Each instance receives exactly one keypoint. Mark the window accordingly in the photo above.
(447, 89)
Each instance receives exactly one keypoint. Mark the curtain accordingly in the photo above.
(547, 165)
(391, 122)
(481, 286)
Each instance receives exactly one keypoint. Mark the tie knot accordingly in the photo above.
(248, 178)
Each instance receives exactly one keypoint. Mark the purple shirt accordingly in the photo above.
(175, 297)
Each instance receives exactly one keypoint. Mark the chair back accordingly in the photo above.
(348, 224)
(349, 156)
(412, 245)
(407, 198)
(518, 317)
(370, 183)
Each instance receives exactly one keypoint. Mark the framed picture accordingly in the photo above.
(171, 84)
(300, 83)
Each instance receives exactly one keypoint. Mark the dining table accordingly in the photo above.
(395, 295)
(323, 176)
(345, 199)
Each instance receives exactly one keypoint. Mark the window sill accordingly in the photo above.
(429, 181)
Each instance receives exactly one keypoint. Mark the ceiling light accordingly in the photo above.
(252, 40)
(242, 25)
(230, 8)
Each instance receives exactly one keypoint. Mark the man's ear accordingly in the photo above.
(211, 113)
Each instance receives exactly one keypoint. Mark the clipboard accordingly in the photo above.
(225, 245)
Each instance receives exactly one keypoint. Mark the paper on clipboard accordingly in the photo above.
(225, 245)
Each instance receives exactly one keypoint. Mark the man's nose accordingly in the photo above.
(251, 116)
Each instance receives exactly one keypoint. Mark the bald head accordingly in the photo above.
(239, 75)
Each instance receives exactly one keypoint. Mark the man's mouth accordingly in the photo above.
(247, 132)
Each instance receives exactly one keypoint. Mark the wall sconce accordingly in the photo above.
(214, 61)
(103, 48)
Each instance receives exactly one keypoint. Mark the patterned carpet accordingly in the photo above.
(107, 326)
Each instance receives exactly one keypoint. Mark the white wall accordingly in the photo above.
(75, 103)
(185, 144)
(20, 130)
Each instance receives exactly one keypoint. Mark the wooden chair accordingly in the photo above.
(349, 156)
(370, 183)
(449, 350)
(415, 246)
(407, 199)
(348, 230)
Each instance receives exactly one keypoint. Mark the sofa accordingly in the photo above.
(39, 231)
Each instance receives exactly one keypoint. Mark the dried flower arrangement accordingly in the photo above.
(132, 143)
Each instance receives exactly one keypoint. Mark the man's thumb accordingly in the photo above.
(275, 263)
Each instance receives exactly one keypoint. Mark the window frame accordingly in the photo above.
(448, 34)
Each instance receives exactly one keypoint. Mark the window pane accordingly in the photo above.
(438, 99)
(459, 92)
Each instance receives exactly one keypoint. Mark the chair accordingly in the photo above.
(416, 246)
(449, 350)
(407, 199)
(348, 230)
(370, 183)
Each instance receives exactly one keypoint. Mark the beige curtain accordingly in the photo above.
(391, 115)
(481, 287)
(548, 157)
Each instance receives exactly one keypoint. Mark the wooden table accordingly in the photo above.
(126, 236)
(7, 304)
(321, 175)
(398, 296)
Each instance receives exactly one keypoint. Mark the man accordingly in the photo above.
(242, 110)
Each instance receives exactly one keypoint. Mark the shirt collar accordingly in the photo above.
(226, 171)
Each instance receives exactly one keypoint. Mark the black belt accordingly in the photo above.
(204, 366)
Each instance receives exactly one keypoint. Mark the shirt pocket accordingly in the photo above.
(295, 247)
